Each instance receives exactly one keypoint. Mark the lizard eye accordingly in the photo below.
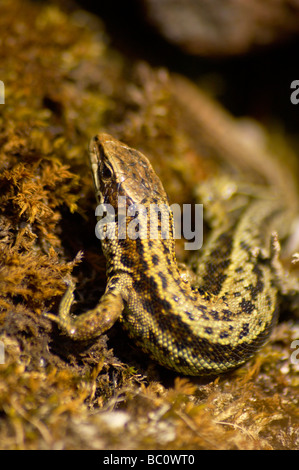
(106, 172)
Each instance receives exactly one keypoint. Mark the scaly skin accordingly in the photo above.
(201, 331)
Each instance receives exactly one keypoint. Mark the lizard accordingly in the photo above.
(206, 329)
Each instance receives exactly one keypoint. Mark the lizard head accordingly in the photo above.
(119, 170)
